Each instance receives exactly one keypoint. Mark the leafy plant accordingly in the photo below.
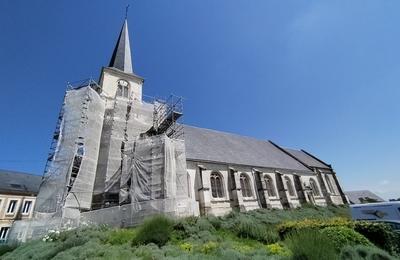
(150, 251)
(186, 247)
(209, 247)
(278, 249)
(291, 226)
(364, 252)
(379, 234)
(120, 236)
(247, 228)
(192, 226)
(342, 236)
(310, 244)
(7, 248)
(155, 230)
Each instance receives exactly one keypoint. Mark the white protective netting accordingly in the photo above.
(79, 140)
(120, 178)
(153, 180)
(124, 121)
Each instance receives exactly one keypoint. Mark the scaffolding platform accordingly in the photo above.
(166, 116)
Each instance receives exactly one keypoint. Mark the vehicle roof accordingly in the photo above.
(387, 203)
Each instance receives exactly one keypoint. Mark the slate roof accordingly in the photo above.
(12, 182)
(215, 146)
(307, 159)
(121, 57)
(354, 196)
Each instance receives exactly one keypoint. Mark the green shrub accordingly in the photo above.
(289, 226)
(94, 249)
(7, 248)
(209, 247)
(194, 229)
(186, 247)
(120, 236)
(33, 250)
(364, 252)
(278, 249)
(342, 236)
(379, 234)
(215, 221)
(157, 230)
(310, 244)
(203, 237)
(247, 228)
(150, 251)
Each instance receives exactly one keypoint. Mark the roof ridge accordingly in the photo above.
(291, 155)
(319, 160)
(275, 155)
(17, 172)
(228, 133)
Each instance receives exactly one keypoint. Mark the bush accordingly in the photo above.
(247, 228)
(209, 247)
(192, 227)
(215, 221)
(120, 236)
(379, 234)
(364, 252)
(287, 227)
(278, 249)
(7, 248)
(149, 251)
(155, 230)
(186, 247)
(342, 236)
(310, 244)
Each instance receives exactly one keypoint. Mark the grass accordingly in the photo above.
(250, 235)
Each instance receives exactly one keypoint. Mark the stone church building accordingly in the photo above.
(117, 157)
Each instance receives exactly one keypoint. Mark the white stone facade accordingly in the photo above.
(262, 195)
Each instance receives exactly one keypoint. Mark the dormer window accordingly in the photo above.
(123, 89)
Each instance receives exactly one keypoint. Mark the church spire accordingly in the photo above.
(121, 58)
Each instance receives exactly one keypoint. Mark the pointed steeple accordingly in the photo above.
(121, 58)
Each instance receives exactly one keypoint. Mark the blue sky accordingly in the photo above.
(319, 75)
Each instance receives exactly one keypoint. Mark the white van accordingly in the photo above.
(388, 212)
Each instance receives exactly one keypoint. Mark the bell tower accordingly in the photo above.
(118, 79)
(125, 117)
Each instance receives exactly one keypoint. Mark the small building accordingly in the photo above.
(17, 198)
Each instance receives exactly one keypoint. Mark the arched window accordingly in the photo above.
(269, 183)
(245, 185)
(217, 188)
(328, 181)
(123, 89)
(289, 186)
(314, 187)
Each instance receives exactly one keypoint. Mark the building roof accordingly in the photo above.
(12, 182)
(361, 196)
(121, 58)
(214, 146)
(307, 158)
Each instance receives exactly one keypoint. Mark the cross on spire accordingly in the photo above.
(126, 12)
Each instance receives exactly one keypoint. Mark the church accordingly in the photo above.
(118, 156)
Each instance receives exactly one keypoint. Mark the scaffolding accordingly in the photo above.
(70, 167)
(89, 82)
(56, 135)
(166, 117)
